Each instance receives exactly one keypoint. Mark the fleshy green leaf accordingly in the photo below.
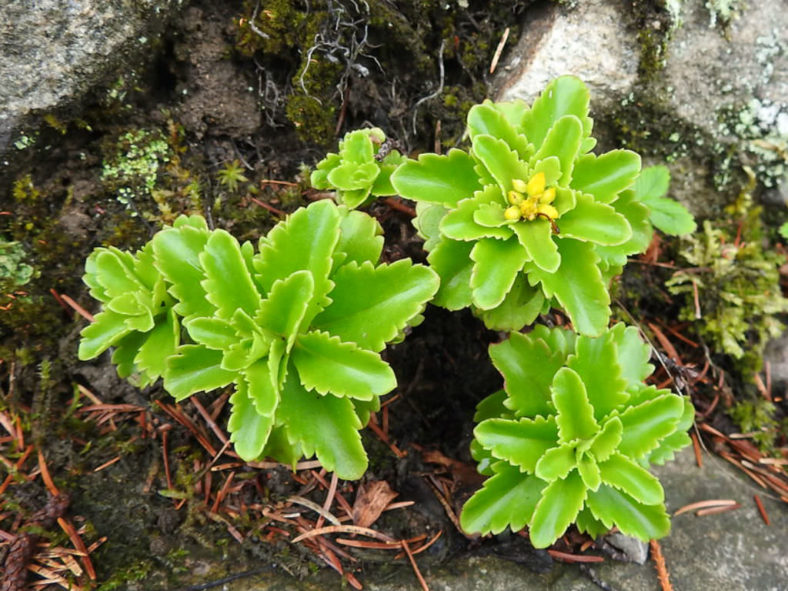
(326, 426)
(360, 238)
(637, 215)
(565, 95)
(459, 224)
(528, 368)
(249, 429)
(596, 362)
(283, 311)
(670, 216)
(114, 271)
(507, 499)
(328, 365)
(652, 183)
(537, 238)
(647, 423)
(624, 474)
(177, 255)
(228, 284)
(280, 448)
(501, 162)
(160, 344)
(607, 440)
(586, 523)
(357, 145)
(491, 215)
(382, 185)
(589, 471)
(577, 285)
(371, 305)
(557, 509)
(575, 416)
(521, 442)
(451, 260)
(319, 177)
(562, 141)
(260, 388)
(595, 222)
(351, 175)
(556, 463)
(614, 508)
(195, 369)
(427, 223)
(492, 407)
(488, 119)
(446, 180)
(519, 308)
(126, 350)
(130, 304)
(497, 263)
(106, 329)
(633, 354)
(214, 333)
(315, 229)
(605, 176)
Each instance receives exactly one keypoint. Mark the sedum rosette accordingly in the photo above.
(570, 437)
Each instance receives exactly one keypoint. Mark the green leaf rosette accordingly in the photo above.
(528, 217)
(570, 437)
(361, 171)
(296, 327)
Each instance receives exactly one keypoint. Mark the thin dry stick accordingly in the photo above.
(414, 565)
(499, 50)
(662, 569)
(761, 509)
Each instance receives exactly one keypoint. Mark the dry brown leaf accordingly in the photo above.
(371, 499)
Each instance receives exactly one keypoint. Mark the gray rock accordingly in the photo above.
(633, 549)
(55, 50)
(733, 551)
(590, 41)
(708, 69)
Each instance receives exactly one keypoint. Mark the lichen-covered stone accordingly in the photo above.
(53, 52)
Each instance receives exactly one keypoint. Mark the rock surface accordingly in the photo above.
(734, 551)
(55, 51)
(709, 69)
(557, 41)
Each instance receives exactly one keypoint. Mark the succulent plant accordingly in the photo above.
(529, 217)
(361, 170)
(296, 327)
(570, 437)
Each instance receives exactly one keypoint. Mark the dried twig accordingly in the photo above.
(659, 563)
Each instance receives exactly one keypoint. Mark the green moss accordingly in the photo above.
(756, 417)
(738, 286)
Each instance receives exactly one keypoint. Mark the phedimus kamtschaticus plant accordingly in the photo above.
(296, 326)
(361, 171)
(570, 437)
(529, 217)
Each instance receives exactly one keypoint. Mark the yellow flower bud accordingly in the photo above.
(515, 198)
(519, 185)
(536, 184)
(548, 196)
(512, 213)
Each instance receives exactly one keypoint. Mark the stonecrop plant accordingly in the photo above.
(570, 437)
(529, 218)
(296, 327)
(361, 171)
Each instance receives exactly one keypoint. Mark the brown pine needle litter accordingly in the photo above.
(659, 563)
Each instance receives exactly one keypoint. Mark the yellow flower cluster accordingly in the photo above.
(531, 200)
